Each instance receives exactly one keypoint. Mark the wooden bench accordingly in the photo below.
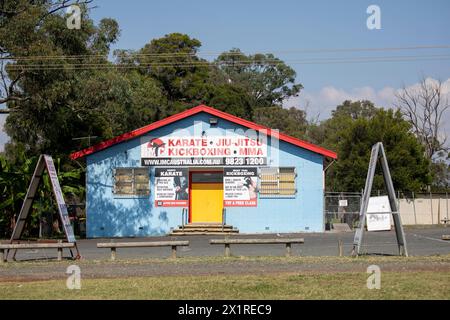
(114, 245)
(228, 242)
(19, 246)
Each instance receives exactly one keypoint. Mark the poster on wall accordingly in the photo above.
(171, 187)
(226, 150)
(377, 221)
(239, 187)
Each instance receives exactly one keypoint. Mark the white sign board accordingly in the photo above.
(375, 220)
(181, 150)
(343, 203)
(62, 208)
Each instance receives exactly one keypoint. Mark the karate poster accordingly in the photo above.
(171, 187)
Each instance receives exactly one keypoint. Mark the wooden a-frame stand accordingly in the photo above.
(378, 152)
(45, 162)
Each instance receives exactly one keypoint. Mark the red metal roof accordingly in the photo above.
(211, 111)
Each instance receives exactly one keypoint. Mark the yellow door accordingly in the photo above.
(206, 202)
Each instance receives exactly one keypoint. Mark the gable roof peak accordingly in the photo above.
(195, 110)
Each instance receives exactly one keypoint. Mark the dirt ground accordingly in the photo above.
(428, 252)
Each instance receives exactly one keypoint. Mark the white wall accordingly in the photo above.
(424, 210)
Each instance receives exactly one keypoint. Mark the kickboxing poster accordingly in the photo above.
(239, 186)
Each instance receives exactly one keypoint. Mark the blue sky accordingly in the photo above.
(289, 25)
(286, 24)
(276, 26)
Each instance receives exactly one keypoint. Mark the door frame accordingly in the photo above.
(190, 186)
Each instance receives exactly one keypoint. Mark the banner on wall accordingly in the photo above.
(171, 187)
(227, 150)
(239, 187)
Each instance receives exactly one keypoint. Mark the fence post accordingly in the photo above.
(60, 251)
(182, 219)
(439, 212)
(288, 249)
(227, 250)
(174, 252)
(361, 195)
(446, 202)
(414, 207)
(113, 252)
(223, 218)
(431, 205)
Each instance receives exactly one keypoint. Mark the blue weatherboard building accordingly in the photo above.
(203, 168)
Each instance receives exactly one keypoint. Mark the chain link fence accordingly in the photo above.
(414, 208)
(342, 207)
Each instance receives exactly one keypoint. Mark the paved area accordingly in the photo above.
(308, 258)
(421, 242)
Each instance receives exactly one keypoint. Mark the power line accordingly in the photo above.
(228, 53)
(276, 61)
(93, 66)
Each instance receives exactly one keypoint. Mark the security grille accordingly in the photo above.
(342, 207)
(131, 181)
(277, 182)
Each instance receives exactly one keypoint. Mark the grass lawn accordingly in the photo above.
(394, 285)
(310, 260)
(325, 278)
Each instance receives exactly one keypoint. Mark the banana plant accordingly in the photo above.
(14, 180)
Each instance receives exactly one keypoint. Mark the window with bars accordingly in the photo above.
(131, 182)
(277, 182)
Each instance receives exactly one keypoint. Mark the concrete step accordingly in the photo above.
(341, 227)
(205, 230)
(199, 233)
(209, 226)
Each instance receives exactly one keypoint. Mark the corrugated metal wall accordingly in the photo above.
(424, 208)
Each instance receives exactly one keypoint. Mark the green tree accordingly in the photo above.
(234, 82)
(290, 121)
(355, 109)
(440, 169)
(38, 29)
(223, 96)
(328, 133)
(54, 100)
(172, 60)
(408, 165)
(111, 102)
(267, 79)
(44, 87)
